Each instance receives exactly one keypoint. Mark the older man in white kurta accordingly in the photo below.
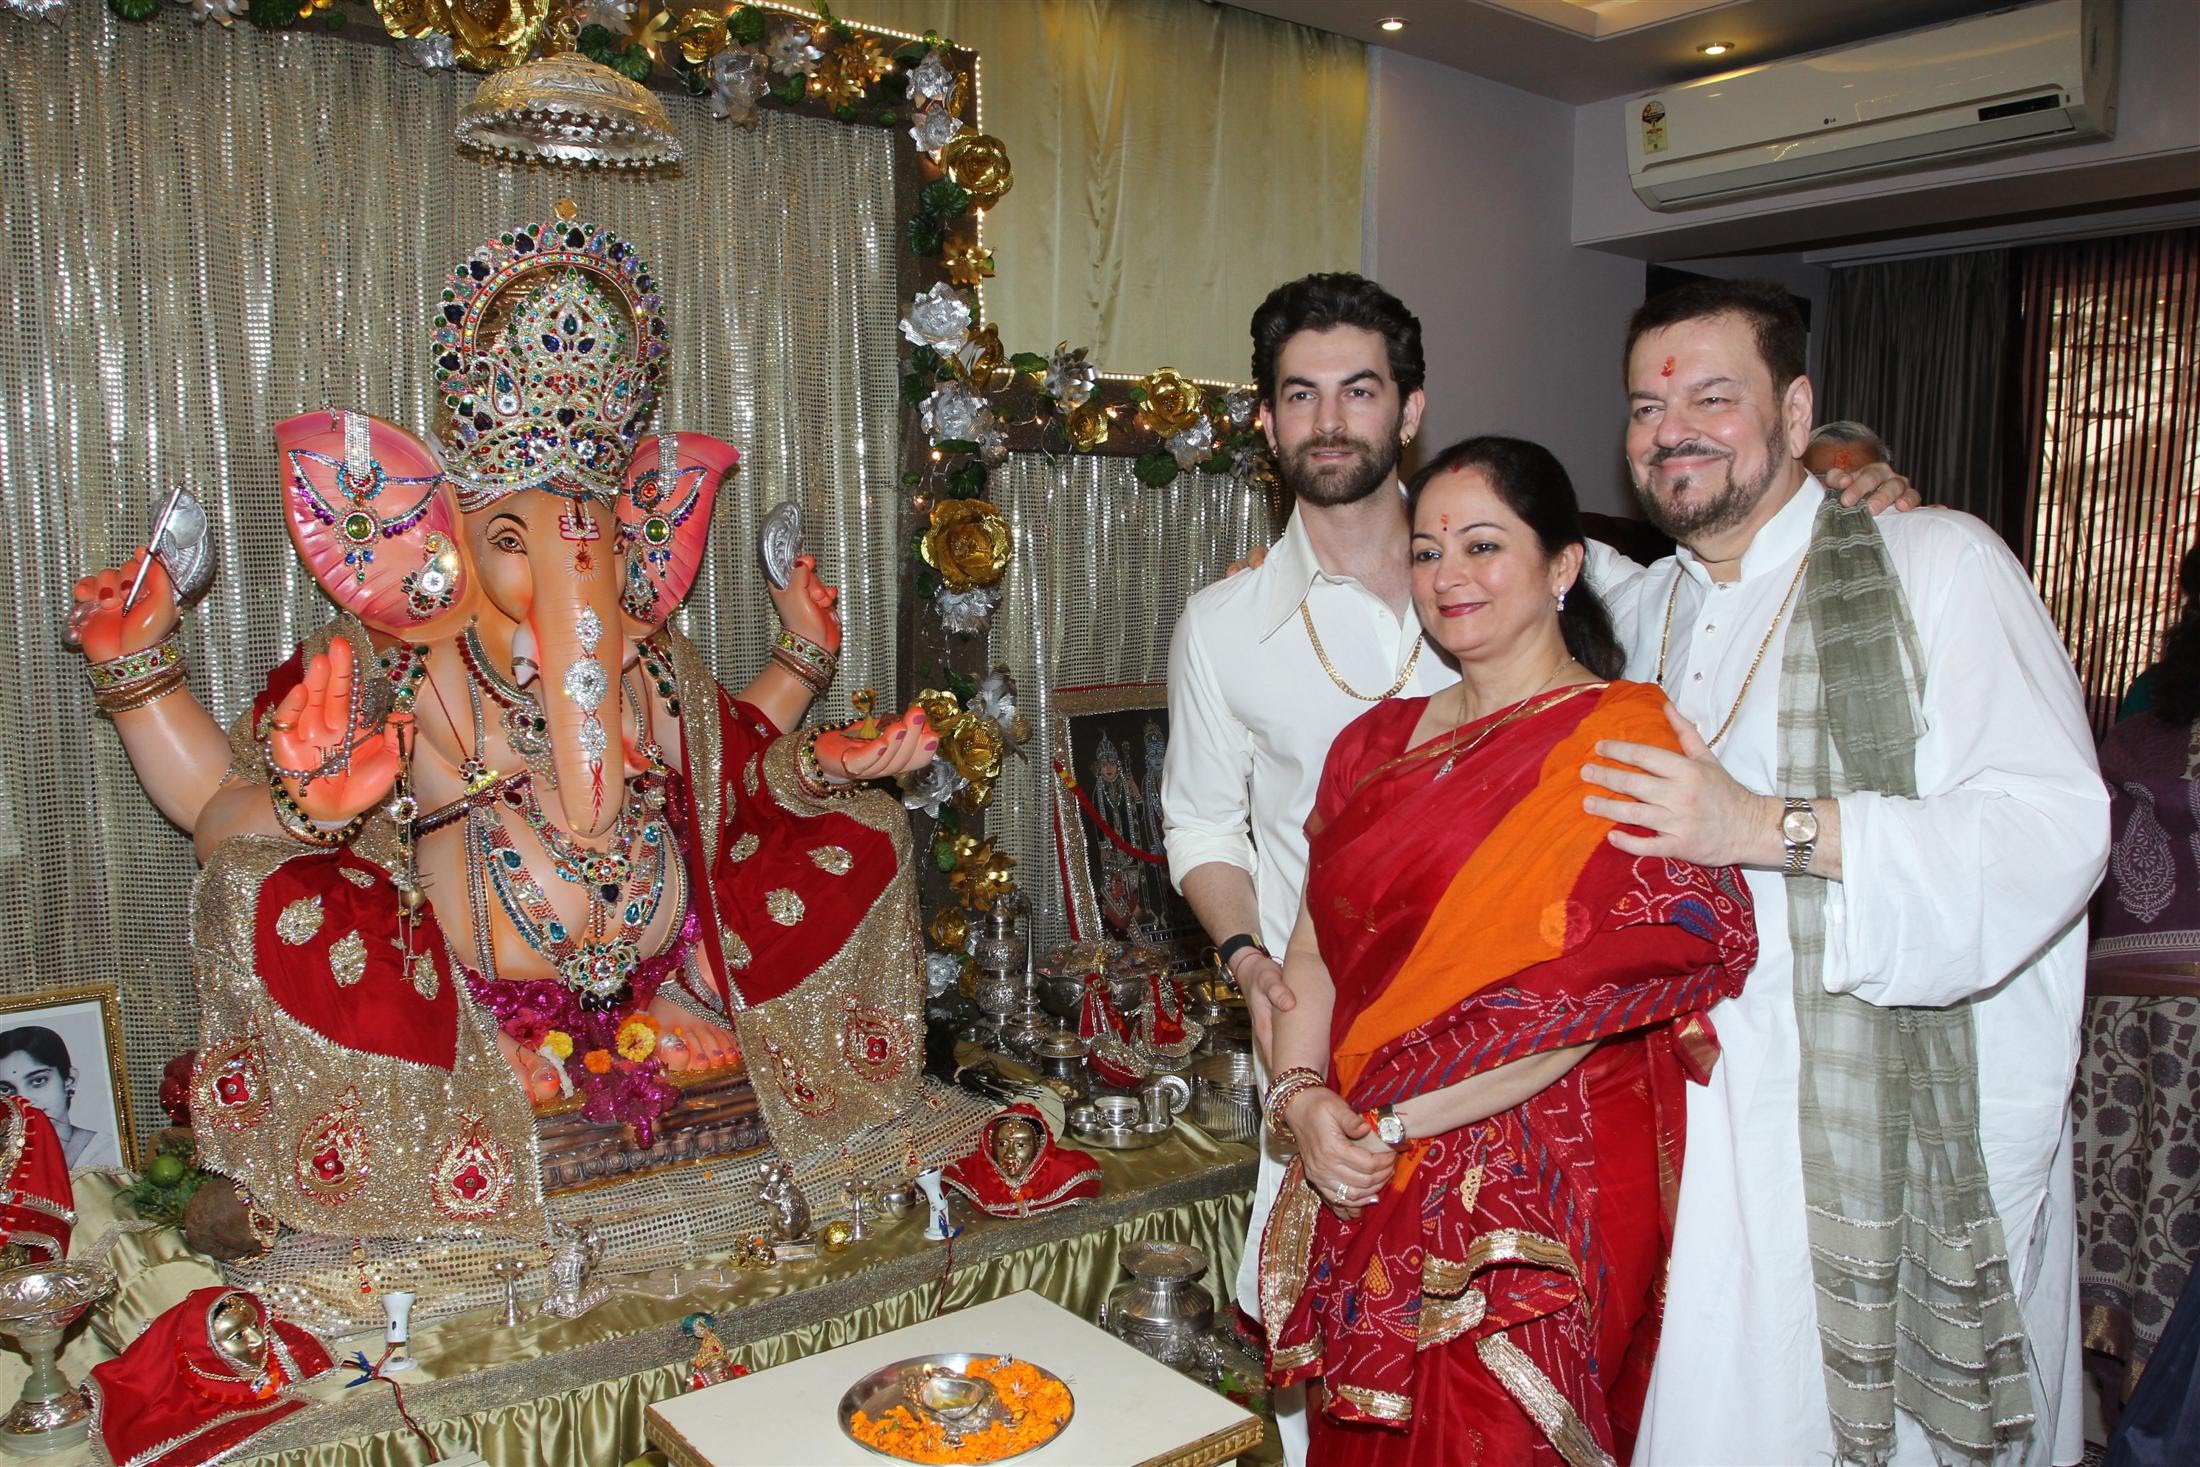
(1972, 891)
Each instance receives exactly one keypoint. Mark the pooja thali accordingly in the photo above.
(959, 1407)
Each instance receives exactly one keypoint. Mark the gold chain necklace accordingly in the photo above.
(1665, 641)
(1534, 702)
(1405, 674)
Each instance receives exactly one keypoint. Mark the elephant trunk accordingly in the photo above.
(578, 637)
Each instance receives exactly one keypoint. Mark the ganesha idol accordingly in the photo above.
(494, 840)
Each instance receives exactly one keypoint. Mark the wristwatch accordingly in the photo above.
(1390, 1127)
(1799, 832)
(1232, 946)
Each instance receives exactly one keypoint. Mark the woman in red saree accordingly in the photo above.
(1495, 1011)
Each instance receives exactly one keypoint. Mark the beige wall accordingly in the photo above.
(1468, 208)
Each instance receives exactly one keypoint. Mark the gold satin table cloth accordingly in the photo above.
(556, 1391)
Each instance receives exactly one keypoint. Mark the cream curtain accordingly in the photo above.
(209, 230)
(1175, 161)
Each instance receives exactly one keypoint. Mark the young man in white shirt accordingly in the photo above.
(1874, 1254)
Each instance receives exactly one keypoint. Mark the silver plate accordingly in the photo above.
(1121, 1138)
(894, 1385)
(780, 541)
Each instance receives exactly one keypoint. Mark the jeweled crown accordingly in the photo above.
(548, 347)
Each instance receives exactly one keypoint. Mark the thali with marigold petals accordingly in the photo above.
(956, 1408)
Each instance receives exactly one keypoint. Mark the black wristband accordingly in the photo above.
(1232, 946)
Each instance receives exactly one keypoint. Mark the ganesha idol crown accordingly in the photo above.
(548, 347)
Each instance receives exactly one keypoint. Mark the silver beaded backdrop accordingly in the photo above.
(1103, 566)
(206, 231)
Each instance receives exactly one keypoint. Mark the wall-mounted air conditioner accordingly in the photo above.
(2017, 78)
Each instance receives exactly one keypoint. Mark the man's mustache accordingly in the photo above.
(1324, 445)
(1688, 450)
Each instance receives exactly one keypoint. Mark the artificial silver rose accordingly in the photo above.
(612, 15)
(964, 613)
(1193, 444)
(934, 129)
(795, 50)
(226, 11)
(993, 444)
(1239, 406)
(942, 971)
(37, 9)
(738, 80)
(931, 788)
(939, 319)
(1069, 378)
(995, 700)
(931, 80)
(429, 53)
(954, 412)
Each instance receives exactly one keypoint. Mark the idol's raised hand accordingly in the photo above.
(312, 726)
(99, 625)
(908, 743)
(808, 607)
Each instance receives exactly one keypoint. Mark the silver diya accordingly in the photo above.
(38, 1303)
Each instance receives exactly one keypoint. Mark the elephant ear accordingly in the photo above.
(375, 521)
(664, 519)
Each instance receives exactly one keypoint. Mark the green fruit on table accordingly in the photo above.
(167, 1169)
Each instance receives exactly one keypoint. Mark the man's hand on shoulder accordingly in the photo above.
(1252, 561)
(1875, 486)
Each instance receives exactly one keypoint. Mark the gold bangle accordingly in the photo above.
(133, 696)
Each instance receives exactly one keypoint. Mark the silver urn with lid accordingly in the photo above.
(1162, 1310)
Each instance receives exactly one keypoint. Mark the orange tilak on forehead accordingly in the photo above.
(1667, 369)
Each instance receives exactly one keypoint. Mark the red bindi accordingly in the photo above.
(1444, 520)
(1667, 371)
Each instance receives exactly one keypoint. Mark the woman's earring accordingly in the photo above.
(1562, 598)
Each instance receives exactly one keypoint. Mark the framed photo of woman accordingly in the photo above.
(62, 1051)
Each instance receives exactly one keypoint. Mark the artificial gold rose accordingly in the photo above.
(969, 543)
(408, 18)
(949, 929)
(982, 874)
(940, 710)
(980, 164)
(973, 797)
(700, 34)
(1172, 403)
(974, 747)
(1086, 427)
(868, 57)
(840, 81)
(982, 361)
(967, 262)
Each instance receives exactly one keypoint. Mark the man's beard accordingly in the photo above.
(1722, 511)
(1370, 467)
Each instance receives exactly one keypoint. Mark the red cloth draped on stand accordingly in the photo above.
(1499, 1302)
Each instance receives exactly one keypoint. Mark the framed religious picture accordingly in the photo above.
(62, 1051)
(1109, 742)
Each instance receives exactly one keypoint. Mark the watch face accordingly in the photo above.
(1799, 827)
(1391, 1130)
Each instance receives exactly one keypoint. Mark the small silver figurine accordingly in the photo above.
(579, 1250)
(790, 1210)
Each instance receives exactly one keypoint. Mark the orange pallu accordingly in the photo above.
(1501, 1297)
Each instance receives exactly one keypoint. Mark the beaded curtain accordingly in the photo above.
(1103, 566)
(206, 231)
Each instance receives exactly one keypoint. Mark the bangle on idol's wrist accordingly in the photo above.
(298, 825)
(137, 678)
(810, 662)
(802, 672)
(811, 776)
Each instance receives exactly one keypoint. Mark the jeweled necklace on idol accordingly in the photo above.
(525, 727)
(597, 968)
